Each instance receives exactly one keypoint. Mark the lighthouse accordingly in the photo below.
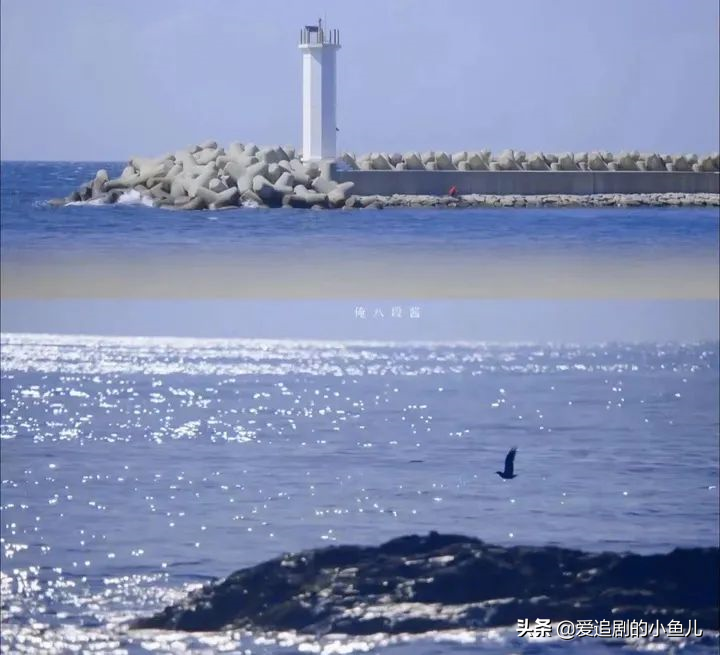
(319, 46)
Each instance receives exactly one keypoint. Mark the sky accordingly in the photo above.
(101, 80)
(498, 321)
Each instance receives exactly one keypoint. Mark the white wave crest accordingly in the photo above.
(133, 197)
(94, 203)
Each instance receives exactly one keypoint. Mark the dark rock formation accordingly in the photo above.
(416, 584)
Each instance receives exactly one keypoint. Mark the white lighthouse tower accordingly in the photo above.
(319, 46)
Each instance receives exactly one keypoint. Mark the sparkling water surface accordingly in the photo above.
(133, 469)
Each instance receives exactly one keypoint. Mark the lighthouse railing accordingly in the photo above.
(321, 36)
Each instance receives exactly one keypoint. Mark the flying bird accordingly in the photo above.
(508, 473)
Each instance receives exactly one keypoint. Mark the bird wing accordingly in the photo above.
(510, 461)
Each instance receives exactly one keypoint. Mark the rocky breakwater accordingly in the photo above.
(207, 176)
(518, 160)
(416, 584)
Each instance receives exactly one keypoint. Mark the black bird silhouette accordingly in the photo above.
(508, 473)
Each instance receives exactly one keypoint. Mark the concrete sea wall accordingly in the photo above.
(584, 183)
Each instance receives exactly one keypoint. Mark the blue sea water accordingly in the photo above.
(30, 226)
(135, 468)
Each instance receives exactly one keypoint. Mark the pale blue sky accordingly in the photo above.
(98, 80)
(502, 321)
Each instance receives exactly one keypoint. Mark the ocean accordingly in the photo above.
(148, 448)
(131, 250)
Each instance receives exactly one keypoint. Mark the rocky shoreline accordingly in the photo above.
(546, 200)
(207, 176)
(417, 584)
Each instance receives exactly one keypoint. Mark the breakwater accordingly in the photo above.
(207, 176)
(418, 584)
(370, 200)
(528, 183)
